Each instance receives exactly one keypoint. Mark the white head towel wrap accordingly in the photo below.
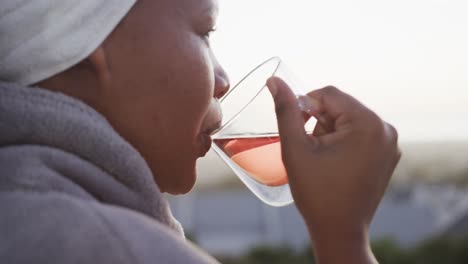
(40, 38)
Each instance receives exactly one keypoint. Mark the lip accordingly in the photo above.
(211, 124)
(206, 137)
(206, 144)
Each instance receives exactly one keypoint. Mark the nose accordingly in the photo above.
(222, 83)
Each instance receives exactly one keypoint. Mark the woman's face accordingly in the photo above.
(165, 86)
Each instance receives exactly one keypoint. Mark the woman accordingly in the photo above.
(107, 104)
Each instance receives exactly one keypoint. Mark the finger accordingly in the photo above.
(319, 130)
(312, 107)
(289, 116)
(335, 103)
(325, 123)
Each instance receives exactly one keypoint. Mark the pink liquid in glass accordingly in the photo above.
(260, 157)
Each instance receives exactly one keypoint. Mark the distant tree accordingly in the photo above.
(387, 251)
(461, 178)
(441, 250)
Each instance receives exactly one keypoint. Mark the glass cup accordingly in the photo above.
(248, 139)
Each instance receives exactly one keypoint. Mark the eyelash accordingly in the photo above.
(209, 32)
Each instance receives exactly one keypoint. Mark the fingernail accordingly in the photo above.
(272, 87)
(308, 104)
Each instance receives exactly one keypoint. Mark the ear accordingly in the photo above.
(100, 66)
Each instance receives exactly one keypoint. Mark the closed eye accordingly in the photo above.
(208, 33)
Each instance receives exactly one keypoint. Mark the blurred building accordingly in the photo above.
(232, 222)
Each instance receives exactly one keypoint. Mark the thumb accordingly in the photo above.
(289, 116)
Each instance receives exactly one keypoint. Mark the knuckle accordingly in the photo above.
(376, 126)
(280, 109)
(284, 105)
(392, 134)
(331, 90)
(377, 134)
(385, 136)
(398, 154)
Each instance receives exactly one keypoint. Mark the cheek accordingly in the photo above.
(201, 92)
(193, 88)
(175, 91)
(191, 110)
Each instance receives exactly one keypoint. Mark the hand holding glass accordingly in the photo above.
(248, 140)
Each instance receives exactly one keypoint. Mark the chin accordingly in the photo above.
(185, 182)
(175, 176)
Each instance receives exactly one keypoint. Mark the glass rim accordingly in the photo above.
(278, 61)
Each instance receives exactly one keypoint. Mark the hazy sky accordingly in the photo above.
(406, 59)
